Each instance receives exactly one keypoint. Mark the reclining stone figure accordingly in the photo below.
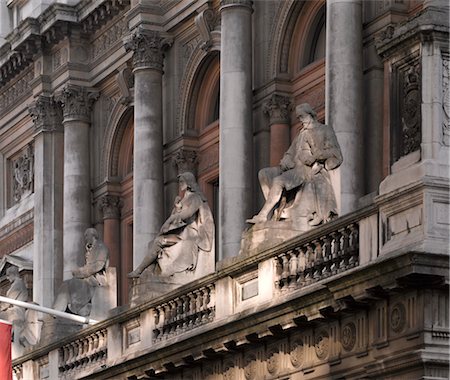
(300, 186)
(187, 233)
(75, 295)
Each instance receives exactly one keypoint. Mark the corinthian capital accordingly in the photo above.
(147, 49)
(46, 114)
(110, 206)
(77, 102)
(278, 108)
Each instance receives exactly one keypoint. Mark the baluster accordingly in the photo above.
(354, 245)
(278, 272)
(335, 241)
(166, 321)
(309, 264)
(198, 306)
(293, 265)
(84, 358)
(285, 270)
(185, 315)
(212, 302)
(318, 260)
(192, 303)
(301, 265)
(345, 248)
(205, 297)
(326, 251)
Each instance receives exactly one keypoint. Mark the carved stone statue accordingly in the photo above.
(75, 295)
(186, 234)
(18, 316)
(300, 186)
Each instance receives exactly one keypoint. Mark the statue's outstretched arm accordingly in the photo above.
(89, 269)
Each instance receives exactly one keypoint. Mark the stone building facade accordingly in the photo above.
(104, 102)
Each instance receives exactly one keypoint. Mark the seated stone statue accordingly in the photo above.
(300, 186)
(75, 295)
(18, 316)
(186, 234)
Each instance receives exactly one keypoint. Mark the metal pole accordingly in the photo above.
(62, 314)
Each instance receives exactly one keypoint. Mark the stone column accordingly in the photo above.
(236, 156)
(344, 96)
(76, 102)
(148, 181)
(48, 199)
(110, 207)
(278, 110)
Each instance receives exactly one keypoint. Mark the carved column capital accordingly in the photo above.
(46, 114)
(147, 49)
(76, 102)
(278, 108)
(185, 160)
(236, 3)
(110, 206)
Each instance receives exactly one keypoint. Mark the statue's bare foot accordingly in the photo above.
(256, 219)
(134, 274)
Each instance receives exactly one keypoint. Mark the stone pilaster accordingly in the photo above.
(48, 199)
(278, 109)
(236, 125)
(344, 97)
(148, 178)
(77, 103)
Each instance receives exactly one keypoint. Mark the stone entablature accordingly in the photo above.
(16, 234)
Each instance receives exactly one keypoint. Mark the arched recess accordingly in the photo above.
(117, 169)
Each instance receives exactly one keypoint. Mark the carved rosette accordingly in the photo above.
(147, 49)
(46, 114)
(398, 317)
(229, 371)
(250, 367)
(322, 345)
(110, 206)
(23, 174)
(278, 108)
(296, 353)
(273, 360)
(348, 336)
(446, 100)
(185, 160)
(77, 102)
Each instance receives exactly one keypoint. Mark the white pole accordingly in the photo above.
(26, 305)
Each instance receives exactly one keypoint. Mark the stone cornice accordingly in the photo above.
(77, 102)
(147, 49)
(46, 114)
(278, 108)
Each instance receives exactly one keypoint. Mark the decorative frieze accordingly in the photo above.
(278, 108)
(147, 49)
(108, 38)
(446, 99)
(11, 95)
(110, 206)
(22, 174)
(77, 102)
(46, 114)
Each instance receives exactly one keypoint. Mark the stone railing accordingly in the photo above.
(184, 313)
(322, 257)
(82, 353)
(240, 286)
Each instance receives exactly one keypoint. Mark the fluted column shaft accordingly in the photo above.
(236, 156)
(148, 181)
(344, 97)
(48, 200)
(76, 102)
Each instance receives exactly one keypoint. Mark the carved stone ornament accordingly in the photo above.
(229, 371)
(348, 336)
(147, 49)
(204, 22)
(251, 367)
(278, 108)
(322, 345)
(23, 174)
(186, 160)
(446, 100)
(398, 317)
(77, 102)
(410, 106)
(110, 206)
(273, 360)
(46, 114)
(297, 353)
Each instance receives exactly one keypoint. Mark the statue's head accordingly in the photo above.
(90, 235)
(305, 110)
(12, 273)
(191, 183)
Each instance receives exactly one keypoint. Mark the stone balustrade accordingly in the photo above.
(82, 353)
(239, 287)
(184, 312)
(319, 258)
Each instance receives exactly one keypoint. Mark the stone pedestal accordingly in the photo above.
(236, 156)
